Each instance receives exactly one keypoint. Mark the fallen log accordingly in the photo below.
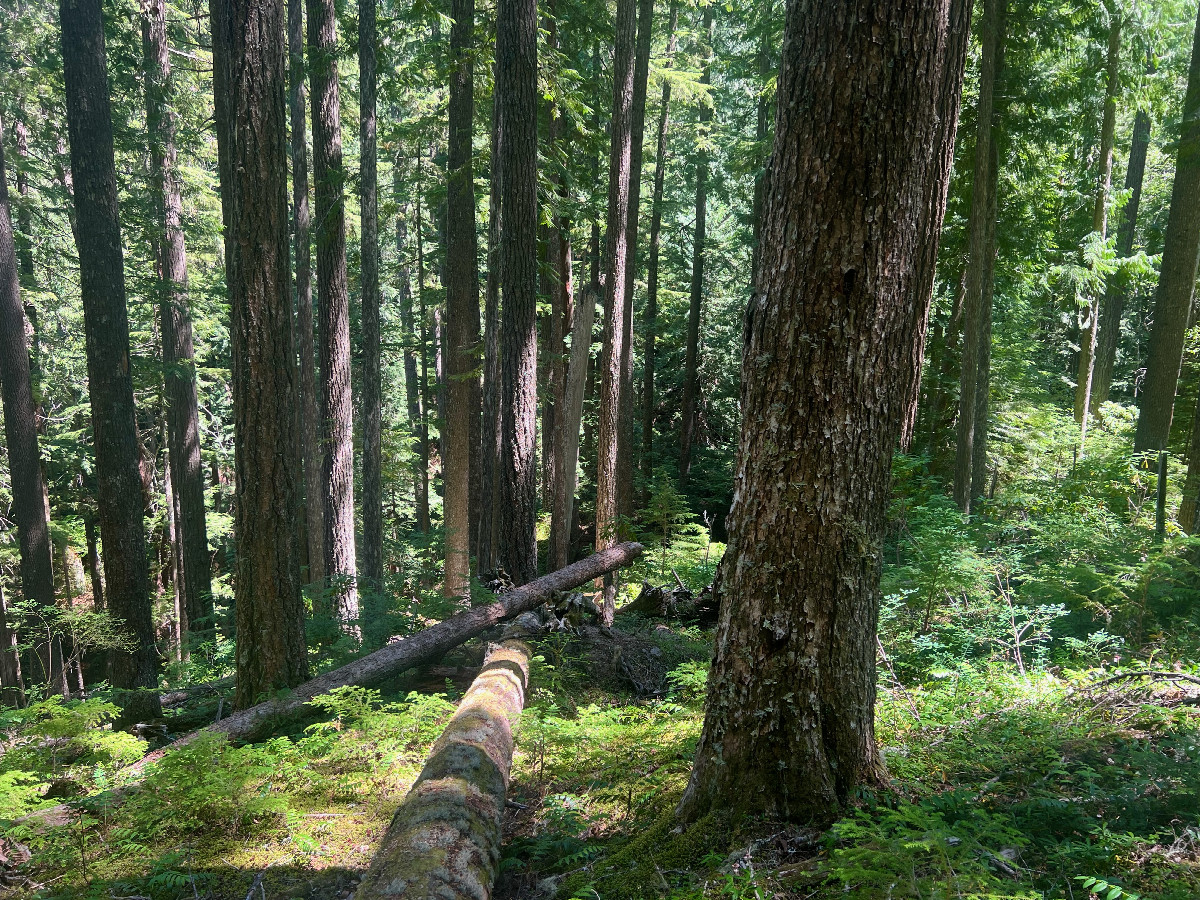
(424, 646)
(444, 840)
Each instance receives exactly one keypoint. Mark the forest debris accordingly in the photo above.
(444, 841)
(662, 601)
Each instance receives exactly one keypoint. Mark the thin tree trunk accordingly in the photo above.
(789, 717)
(1177, 275)
(250, 84)
(1090, 330)
(422, 333)
(179, 370)
(411, 393)
(516, 89)
(372, 393)
(650, 324)
(489, 452)
(691, 362)
(93, 561)
(993, 12)
(134, 674)
(762, 130)
(24, 234)
(12, 686)
(328, 177)
(594, 237)
(555, 287)
(983, 381)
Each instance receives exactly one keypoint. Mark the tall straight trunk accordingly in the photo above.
(12, 685)
(516, 89)
(249, 82)
(1177, 274)
(1116, 290)
(328, 177)
(789, 717)
(310, 394)
(691, 362)
(24, 234)
(762, 130)
(134, 674)
(1084, 383)
(93, 561)
(422, 337)
(486, 545)
(179, 368)
(21, 439)
(594, 236)
(372, 392)
(616, 258)
(555, 288)
(650, 322)
(411, 394)
(993, 12)
(1190, 502)
(983, 381)
(641, 76)
(461, 328)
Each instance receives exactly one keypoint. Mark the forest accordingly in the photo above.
(604, 450)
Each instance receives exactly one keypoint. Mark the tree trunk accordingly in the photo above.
(567, 436)
(557, 289)
(762, 131)
(24, 234)
(179, 370)
(789, 717)
(977, 229)
(616, 259)
(310, 395)
(412, 393)
(516, 90)
(93, 561)
(459, 795)
(1090, 331)
(134, 674)
(461, 328)
(1116, 290)
(12, 686)
(650, 322)
(328, 177)
(691, 362)
(489, 451)
(372, 393)
(1190, 502)
(1177, 275)
(983, 381)
(249, 79)
(594, 237)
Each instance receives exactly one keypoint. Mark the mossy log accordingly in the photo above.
(444, 841)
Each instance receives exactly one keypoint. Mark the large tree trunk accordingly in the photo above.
(691, 364)
(21, 438)
(106, 322)
(616, 258)
(310, 395)
(1116, 290)
(179, 369)
(250, 82)
(489, 449)
(444, 840)
(567, 437)
(1084, 383)
(516, 90)
(329, 175)
(372, 392)
(1177, 275)
(977, 249)
(650, 322)
(462, 305)
(789, 717)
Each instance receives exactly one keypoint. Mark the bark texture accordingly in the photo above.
(328, 177)
(1177, 275)
(516, 90)
(106, 321)
(789, 726)
(489, 449)
(248, 66)
(444, 840)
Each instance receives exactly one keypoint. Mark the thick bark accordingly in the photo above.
(691, 363)
(106, 321)
(179, 371)
(444, 840)
(1116, 290)
(616, 258)
(462, 305)
(977, 228)
(249, 77)
(489, 449)
(650, 321)
(1177, 275)
(328, 177)
(1084, 383)
(555, 280)
(372, 391)
(310, 394)
(516, 90)
(21, 438)
(567, 437)
(789, 724)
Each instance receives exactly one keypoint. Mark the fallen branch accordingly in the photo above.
(1146, 673)
(444, 841)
